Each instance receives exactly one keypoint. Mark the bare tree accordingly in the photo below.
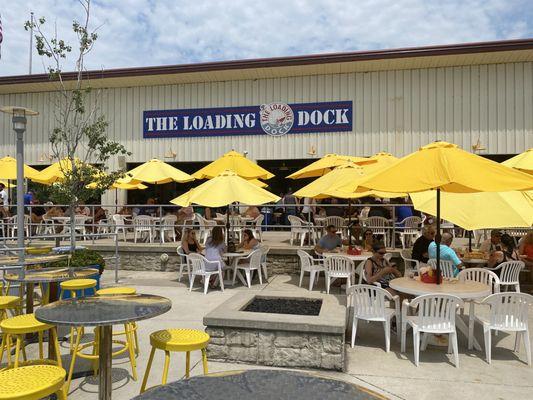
(78, 140)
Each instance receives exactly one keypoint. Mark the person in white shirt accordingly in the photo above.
(4, 198)
(309, 209)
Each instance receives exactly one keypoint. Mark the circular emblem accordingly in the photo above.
(276, 118)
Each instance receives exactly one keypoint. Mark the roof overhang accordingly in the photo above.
(264, 68)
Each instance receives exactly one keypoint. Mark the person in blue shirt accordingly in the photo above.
(446, 252)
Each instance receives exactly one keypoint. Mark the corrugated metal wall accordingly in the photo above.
(394, 111)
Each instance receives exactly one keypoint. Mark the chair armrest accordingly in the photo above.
(405, 307)
(396, 299)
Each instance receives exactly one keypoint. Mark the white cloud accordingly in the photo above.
(155, 32)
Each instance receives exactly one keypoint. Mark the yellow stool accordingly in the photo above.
(9, 303)
(32, 382)
(74, 285)
(115, 291)
(17, 327)
(182, 340)
(122, 291)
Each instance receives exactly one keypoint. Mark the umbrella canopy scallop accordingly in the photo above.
(226, 188)
(157, 172)
(8, 169)
(523, 161)
(326, 164)
(233, 161)
(56, 171)
(447, 167)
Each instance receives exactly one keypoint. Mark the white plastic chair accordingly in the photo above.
(409, 230)
(198, 263)
(508, 313)
(184, 262)
(252, 262)
(206, 227)
(13, 225)
(486, 277)
(311, 265)
(509, 274)
(168, 225)
(379, 226)
(370, 303)
(300, 228)
(142, 224)
(338, 267)
(436, 315)
(264, 254)
(120, 225)
(446, 267)
(236, 226)
(46, 226)
(257, 227)
(410, 263)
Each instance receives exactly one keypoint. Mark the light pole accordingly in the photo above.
(19, 126)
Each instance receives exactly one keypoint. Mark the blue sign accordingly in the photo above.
(275, 119)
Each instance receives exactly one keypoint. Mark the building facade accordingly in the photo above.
(479, 96)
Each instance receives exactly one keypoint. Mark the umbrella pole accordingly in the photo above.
(350, 222)
(470, 241)
(227, 226)
(438, 236)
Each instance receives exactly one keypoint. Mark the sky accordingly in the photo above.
(163, 32)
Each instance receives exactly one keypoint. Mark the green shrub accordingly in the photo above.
(82, 258)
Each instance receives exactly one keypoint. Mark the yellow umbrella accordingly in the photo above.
(236, 162)
(56, 171)
(8, 169)
(158, 172)
(523, 161)
(7, 185)
(483, 210)
(224, 189)
(326, 185)
(444, 166)
(122, 185)
(259, 183)
(326, 164)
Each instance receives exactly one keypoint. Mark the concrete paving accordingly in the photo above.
(392, 374)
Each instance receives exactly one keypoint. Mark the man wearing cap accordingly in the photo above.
(492, 244)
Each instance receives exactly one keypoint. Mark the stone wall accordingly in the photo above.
(151, 261)
(277, 348)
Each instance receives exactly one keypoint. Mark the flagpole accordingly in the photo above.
(31, 41)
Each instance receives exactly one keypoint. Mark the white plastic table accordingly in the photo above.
(468, 290)
(233, 259)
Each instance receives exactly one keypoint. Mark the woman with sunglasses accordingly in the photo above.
(378, 269)
(249, 242)
(368, 240)
(189, 243)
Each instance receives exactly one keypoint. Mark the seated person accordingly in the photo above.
(249, 242)
(378, 269)
(189, 243)
(508, 252)
(36, 215)
(446, 252)
(185, 214)
(330, 241)
(402, 212)
(420, 247)
(214, 248)
(492, 244)
(525, 251)
(82, 209)
(252, 212)
(368, 240)
(150, 208)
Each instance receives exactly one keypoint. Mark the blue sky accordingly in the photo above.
(157, 32)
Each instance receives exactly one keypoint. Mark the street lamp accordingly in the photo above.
(19, 126)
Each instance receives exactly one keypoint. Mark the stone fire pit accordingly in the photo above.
(274, 339)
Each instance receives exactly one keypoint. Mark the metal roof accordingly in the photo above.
(334, 63)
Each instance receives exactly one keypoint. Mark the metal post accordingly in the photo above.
(116, 258)
(104, 389)
(438, 237)
(20, 200)
(393, 238)
(31, 42)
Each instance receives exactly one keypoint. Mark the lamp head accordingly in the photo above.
(19, 116)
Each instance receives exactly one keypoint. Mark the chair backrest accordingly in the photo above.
(255, 258)
(412, 225)
(168, 221)
(337, 222)
(181, 254)
(510, 271)
(377, 224)
(142, 221)
(368, 301)
(480, 275)
(197, 262)
(118, 219)
(235, 221)
(305, 260)
(259, 221)
(339, 265)
(294, 221)
(80, 219)
(437, 311)
(360, 272)
(201, 221)
(220, 215)
(446, 267)
(364, 212)
(264, 252)
(509, 310)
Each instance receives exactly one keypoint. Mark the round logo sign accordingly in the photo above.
(276, 118)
